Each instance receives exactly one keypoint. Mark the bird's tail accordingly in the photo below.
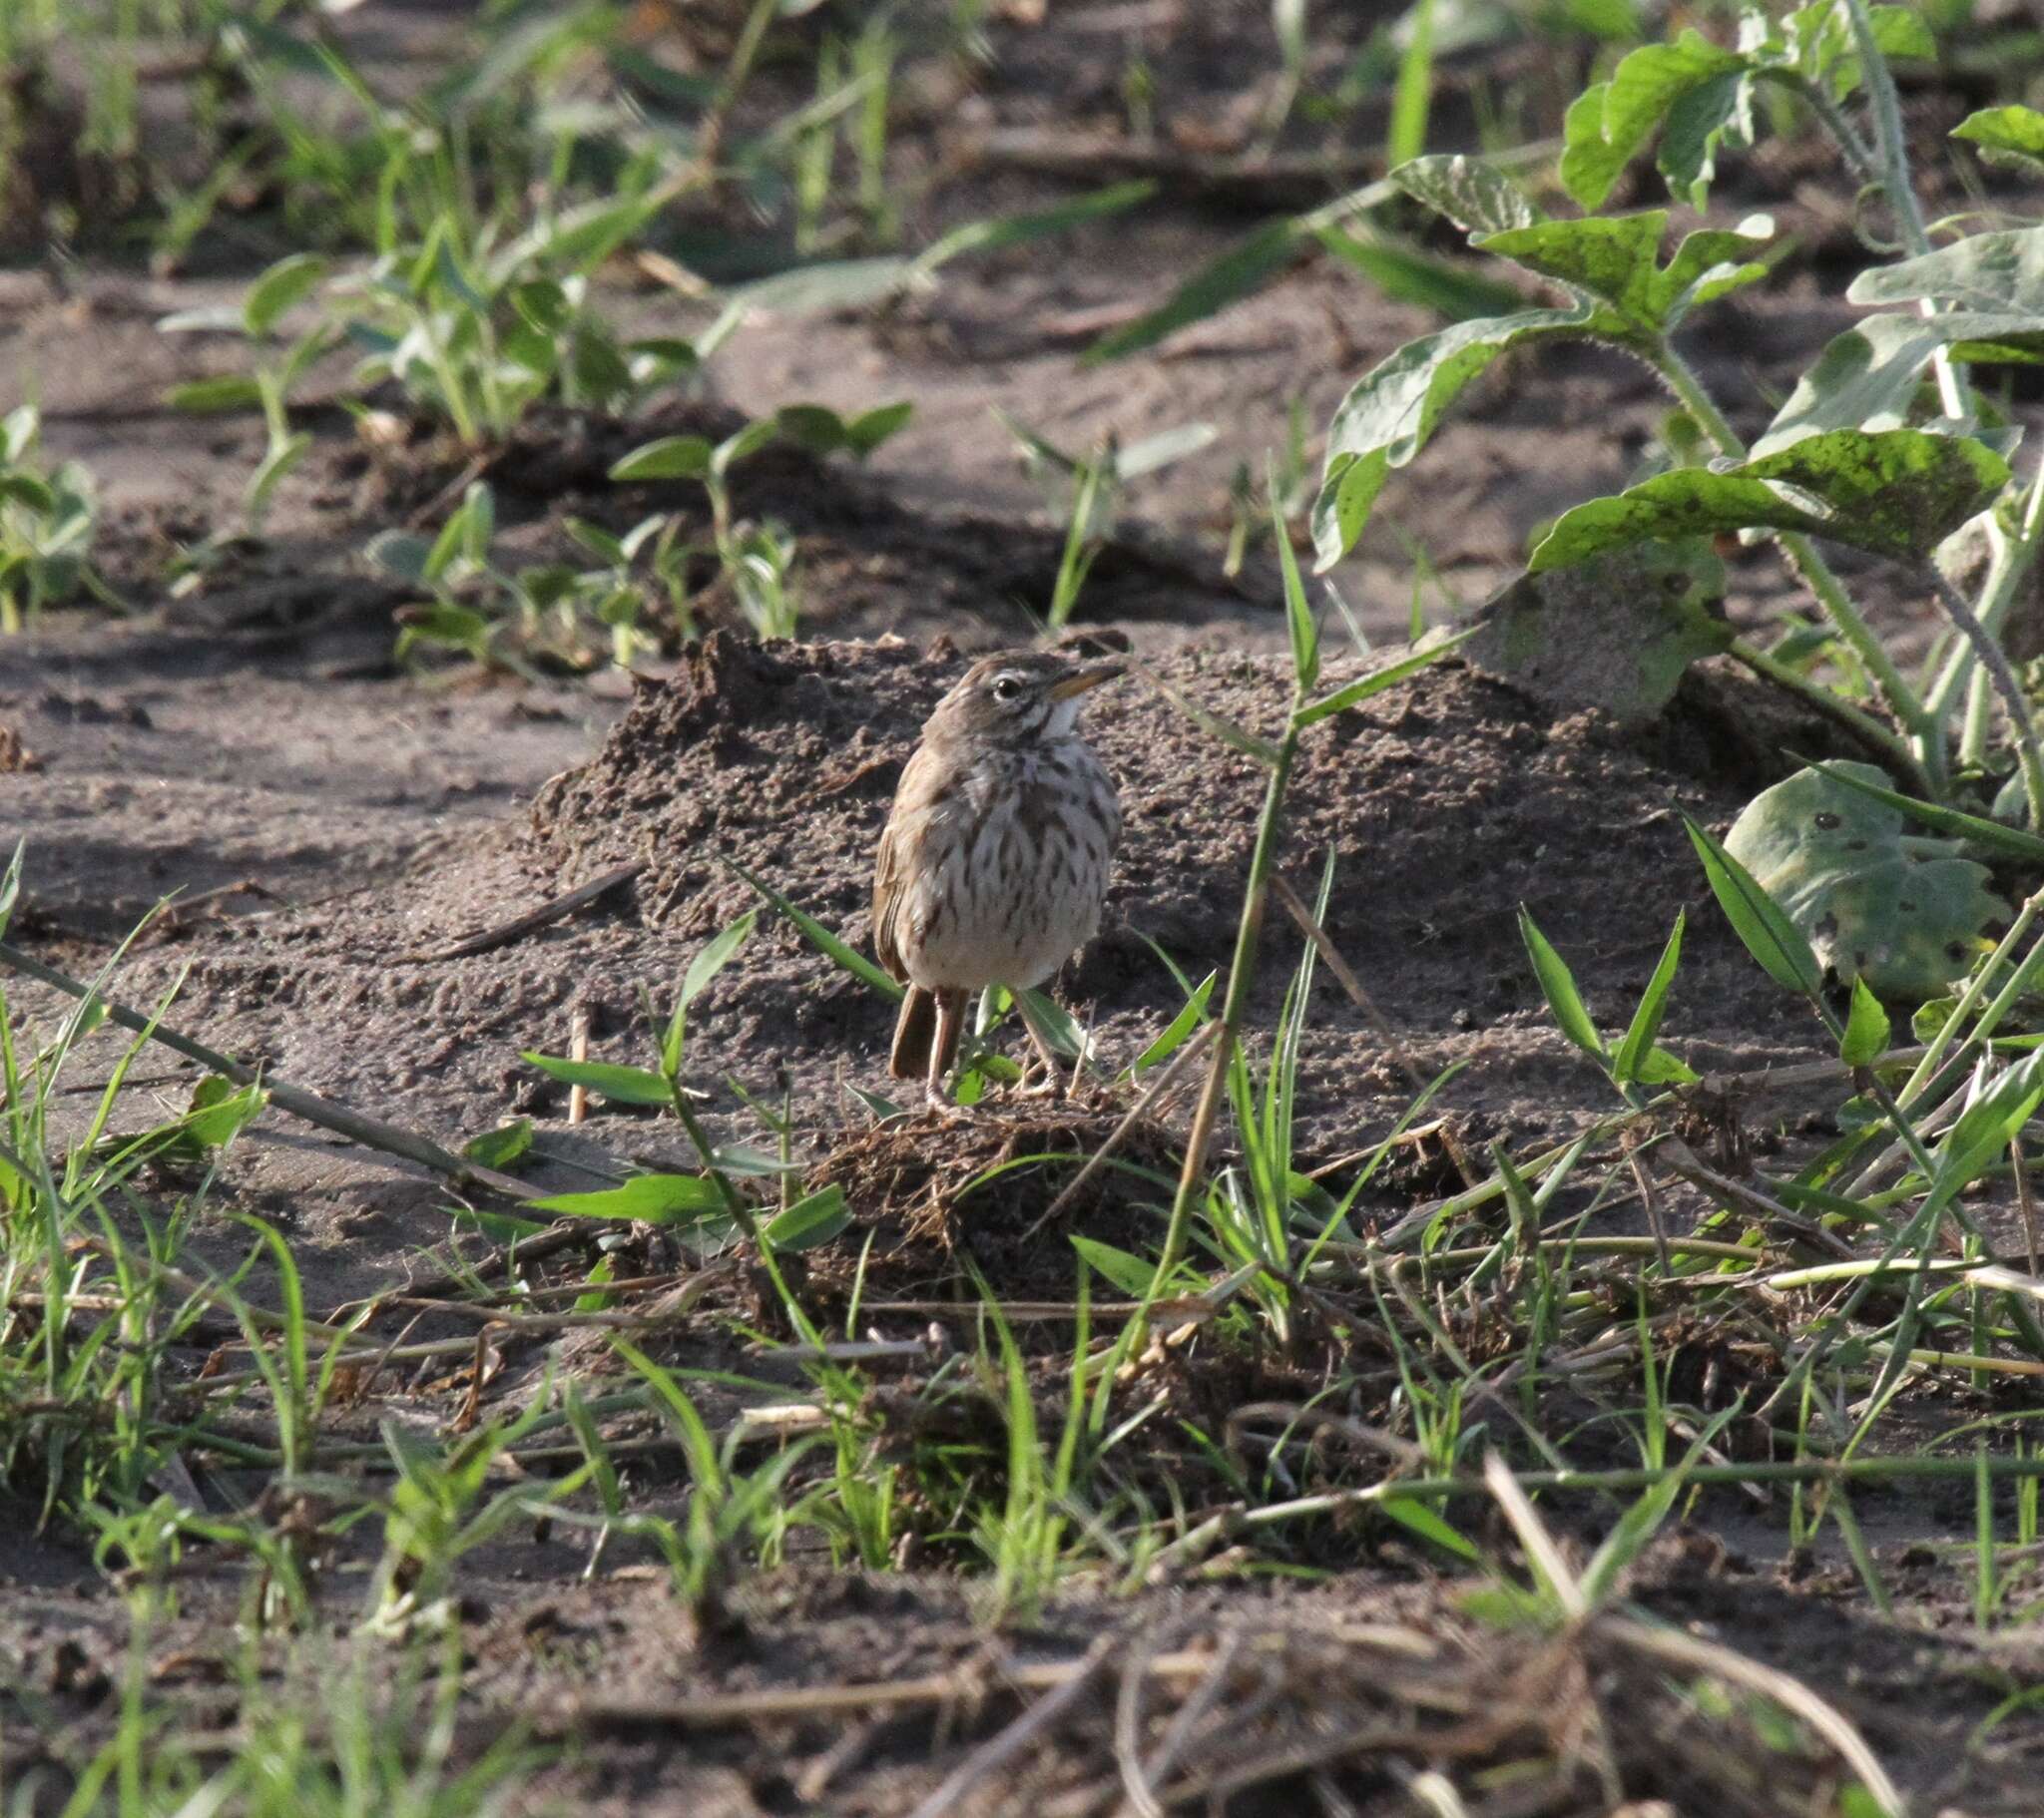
(916, 1031)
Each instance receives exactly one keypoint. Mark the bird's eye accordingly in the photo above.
(1007, 688)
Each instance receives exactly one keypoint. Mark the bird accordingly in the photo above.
(993, 866)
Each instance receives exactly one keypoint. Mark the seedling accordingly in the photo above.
(47, 521)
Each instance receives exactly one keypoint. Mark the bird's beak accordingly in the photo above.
(1081, 679)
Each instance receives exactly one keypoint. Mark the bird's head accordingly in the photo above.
(1019, 698)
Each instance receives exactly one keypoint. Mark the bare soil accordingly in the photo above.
(332, 826)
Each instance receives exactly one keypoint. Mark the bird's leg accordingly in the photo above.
(943, 1048)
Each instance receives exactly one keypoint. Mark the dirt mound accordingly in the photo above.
(1444, 803)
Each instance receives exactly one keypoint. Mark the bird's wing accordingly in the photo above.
(894, 862)
(889, 888)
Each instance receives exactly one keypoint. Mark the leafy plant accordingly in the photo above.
(47, 523)
(1851, 458)
(1902, 912)
(267, 385)
(759, 560)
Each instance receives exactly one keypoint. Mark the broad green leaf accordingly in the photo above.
(1477, 196)
(814, 427)
(399, 553)
(1867, 1027)
(648, 1198)
(1903, 913)
(668, 458)
(1999, 273)
(211, 397)
(1714, 115)
(1590, 164)
(1898, 492)
(1614, 633)
(2013, 135)
(604, 1270)
(30, 490)
(442, 622)
(716, 955)
(742, 445)
(1768, 934)
(1051, 1017)
(1599, 141)
(1637, 1047)
(543, 303)
(598, 540)
(627, 1085)
(1901, 31)
(598, 368)
(1659, 1067)
(221, 1111)
(285, 284)
(1390, 414)
(1870, 376)
(812, 1219)
(867, 431)
(1558, 986)
(501, 1147)
(1615, 260)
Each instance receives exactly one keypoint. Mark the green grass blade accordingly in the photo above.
(1770, 936)
(1558, 986)
(1376, 683)
(2012, 840)
(821, 938)
(1645, 1028)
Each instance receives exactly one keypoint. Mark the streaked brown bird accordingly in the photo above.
(993, 864)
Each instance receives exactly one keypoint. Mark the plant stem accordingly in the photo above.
(1241, 975)
(1804, 558)
(1893, 151)
(2012, 559)
(1995, 664)
(1862, 726)
(1859, 153)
